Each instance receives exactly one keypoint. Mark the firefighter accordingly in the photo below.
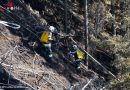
(77, 55)
(46, 39)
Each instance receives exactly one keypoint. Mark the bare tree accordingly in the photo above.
(113, 17)
(86, 32)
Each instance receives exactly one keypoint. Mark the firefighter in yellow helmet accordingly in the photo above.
(46, 39)
(78, 55)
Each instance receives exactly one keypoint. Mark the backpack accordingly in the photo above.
(80, 54)
(44, 37)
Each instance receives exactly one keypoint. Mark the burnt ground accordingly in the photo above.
(29, 63)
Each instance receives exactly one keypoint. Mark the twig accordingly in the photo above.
(34, 61)
(11, 51)
(29, 70)
(87, 84)
(25, 83)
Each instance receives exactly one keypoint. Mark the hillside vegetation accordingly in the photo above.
(109, 43)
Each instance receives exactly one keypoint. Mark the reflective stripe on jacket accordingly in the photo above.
(47, 44)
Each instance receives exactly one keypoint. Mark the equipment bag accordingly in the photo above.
(44, 37)
(80, 54)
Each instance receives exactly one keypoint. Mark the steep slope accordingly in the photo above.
(22, 53)
(20, 59)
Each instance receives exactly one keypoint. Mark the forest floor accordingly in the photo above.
(25, 61)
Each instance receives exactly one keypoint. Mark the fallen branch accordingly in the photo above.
(86, 84)
(29, 70)
(25, 83)
(11, 51)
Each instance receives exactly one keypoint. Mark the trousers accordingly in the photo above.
(77, 63)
